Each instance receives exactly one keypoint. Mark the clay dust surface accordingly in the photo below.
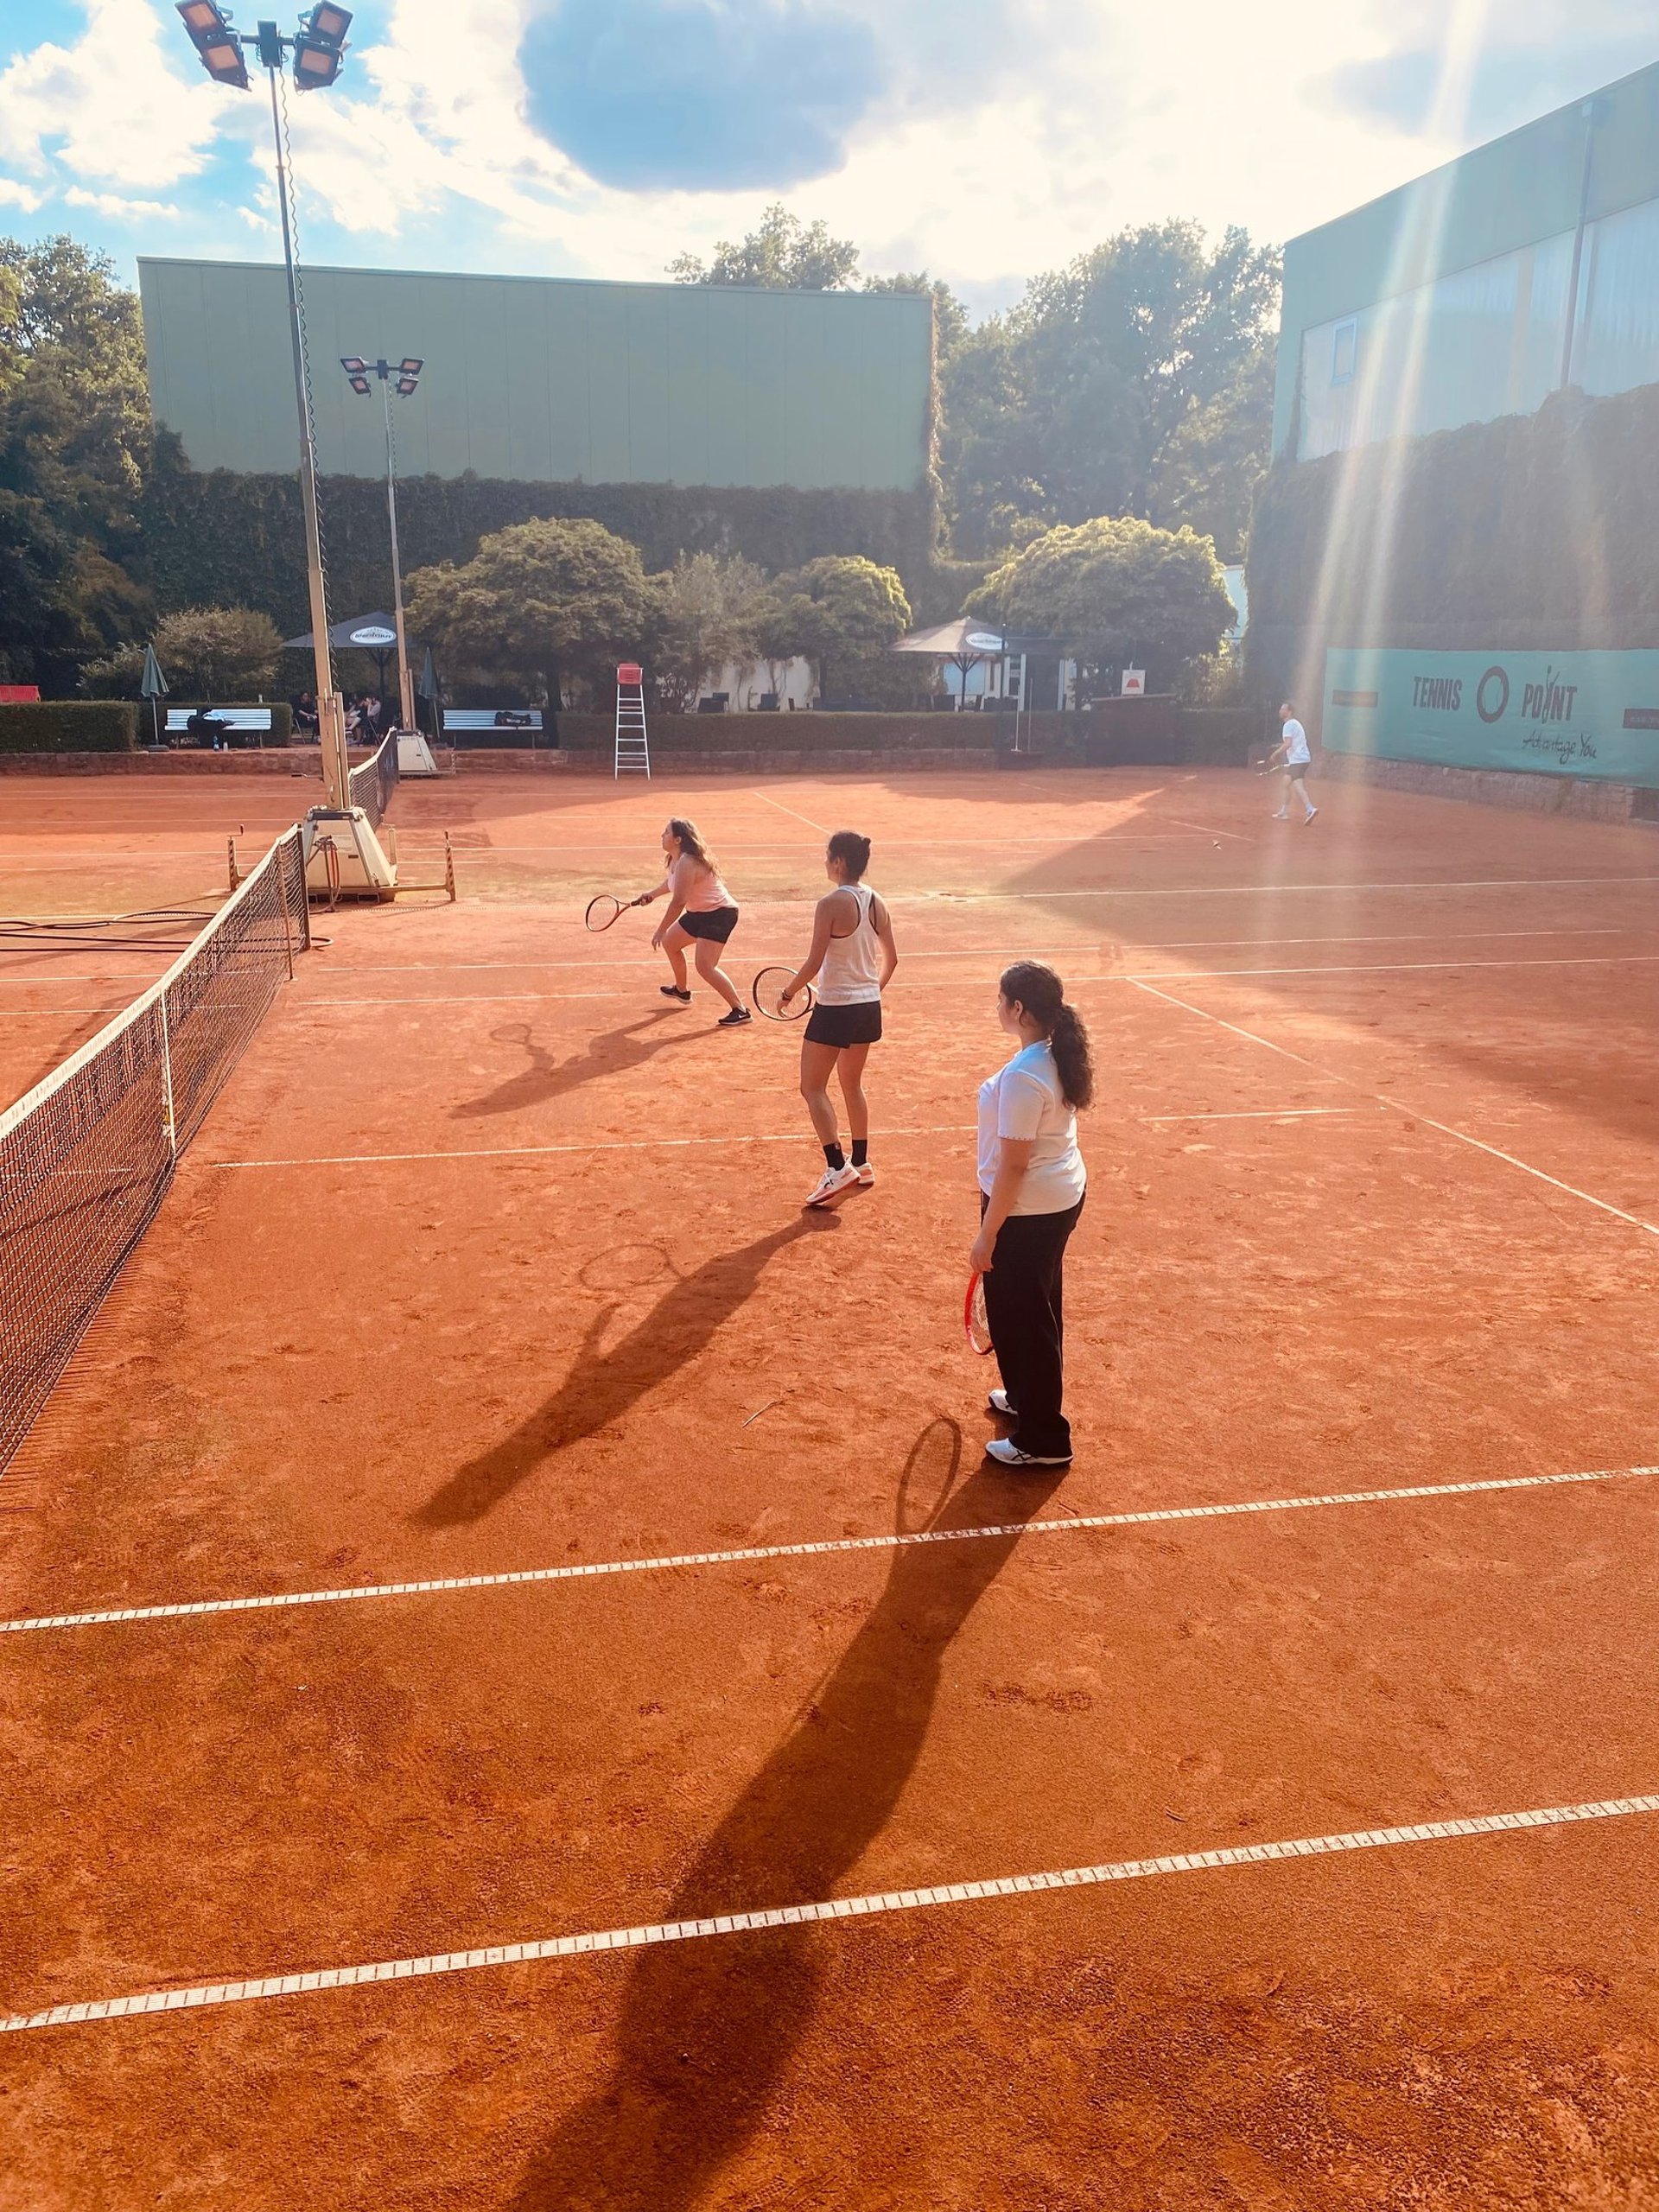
(491, 1260)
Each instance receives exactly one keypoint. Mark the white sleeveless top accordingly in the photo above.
(851, 969)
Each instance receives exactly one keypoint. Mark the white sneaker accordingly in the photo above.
(1283, 815)
(1309, 816)
(865, 1175)
(1010, 1455)
(998, 1402)
(831, 1185)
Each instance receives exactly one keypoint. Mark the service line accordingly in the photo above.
(800, 1916)
(819, 1548)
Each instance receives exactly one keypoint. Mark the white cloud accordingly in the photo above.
(111, 108)
(112, 203)
(14, 194)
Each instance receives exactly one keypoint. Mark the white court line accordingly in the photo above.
(45, 1013)
(1264, 1113)
(801, 1916)
(1209, 829)
(1444, 1128)
(957, 952)
(603, 1144)
(782, 808)
(822, 1548)
(1256, 890)
(1076, 982)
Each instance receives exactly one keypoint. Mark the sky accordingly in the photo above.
(981, 140)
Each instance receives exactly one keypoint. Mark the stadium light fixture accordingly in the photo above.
(319, 48)
(219, 47)
(404, 374)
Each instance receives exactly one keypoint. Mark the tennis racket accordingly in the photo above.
(975, 1326)
(767, 993)
(604, 909)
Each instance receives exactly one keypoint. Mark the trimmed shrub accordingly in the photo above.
(69, 726)
(1222, 737)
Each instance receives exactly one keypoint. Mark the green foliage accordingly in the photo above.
(706, 615)
(218, 536)
(951, 325)
(1485, 537)
(74, 440)
(217, 653)
(811, 732)
(1135, 380)
(1119, 593)
(784, 254)
(557, 599)
(834, 610)
(69, 726)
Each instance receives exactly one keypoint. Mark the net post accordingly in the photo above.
(449, 867)
(230, 847)
(282, 893)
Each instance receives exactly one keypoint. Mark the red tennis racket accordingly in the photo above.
(975, 1326)
(604, 909)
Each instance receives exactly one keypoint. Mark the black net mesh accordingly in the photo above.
(87, 1157)
(372, 783)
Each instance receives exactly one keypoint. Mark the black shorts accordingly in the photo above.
(859, 1023)
(1297, 770)
(716, 926)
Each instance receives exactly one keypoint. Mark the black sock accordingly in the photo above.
(861, 1151)
(834, 1156)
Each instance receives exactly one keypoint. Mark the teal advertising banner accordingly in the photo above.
(1594, 713)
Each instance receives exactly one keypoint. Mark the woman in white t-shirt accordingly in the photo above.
(1032, 1183)
(701, 912)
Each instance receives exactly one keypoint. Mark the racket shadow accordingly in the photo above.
(612, 1052)
(602, 1385)
(708, 2030)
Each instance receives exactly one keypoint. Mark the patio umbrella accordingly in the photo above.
(153, 686)
(962, 643)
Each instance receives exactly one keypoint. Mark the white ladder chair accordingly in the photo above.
(632, 752)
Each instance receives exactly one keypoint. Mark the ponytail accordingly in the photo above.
(1040, 992)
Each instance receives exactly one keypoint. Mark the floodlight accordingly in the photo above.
(405, 385)
(353, 364)
(410, 368)
(360, 386)
(320, 48)
(328, 23)
(215, 41)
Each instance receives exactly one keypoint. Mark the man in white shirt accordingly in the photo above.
(1292, 750)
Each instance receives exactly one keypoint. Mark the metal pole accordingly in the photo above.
(331, 717)
(405, 680)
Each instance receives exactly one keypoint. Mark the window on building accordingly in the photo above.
(1344, 351)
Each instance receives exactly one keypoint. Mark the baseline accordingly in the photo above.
(797, 1915)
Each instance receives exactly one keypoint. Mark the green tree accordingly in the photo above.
(1118, 593)
(74, 443)
(539, 602)
(783, 254)
(949, 316)
(1133, 381)
(835, 611)
(707, 607)
(206, 653)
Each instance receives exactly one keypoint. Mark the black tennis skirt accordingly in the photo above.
(860, 1023)
(716, 926)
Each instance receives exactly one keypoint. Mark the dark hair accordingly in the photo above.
(686, 831)
(852, 851)
(1042, 994)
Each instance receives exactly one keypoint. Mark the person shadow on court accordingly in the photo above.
(709, 2026)
(602, 1385)
(612, 1051)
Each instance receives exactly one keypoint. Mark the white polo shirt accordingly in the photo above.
(1295, 742)
(1024, 1099)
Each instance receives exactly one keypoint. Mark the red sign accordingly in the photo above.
(18, 694)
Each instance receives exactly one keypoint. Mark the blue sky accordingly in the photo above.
(982, 139)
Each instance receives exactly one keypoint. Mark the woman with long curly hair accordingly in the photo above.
(702, 912)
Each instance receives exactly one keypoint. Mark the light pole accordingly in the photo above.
(318, 48)
(405, 373)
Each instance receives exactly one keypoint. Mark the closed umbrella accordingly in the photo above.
(427, 689)
(153, 686)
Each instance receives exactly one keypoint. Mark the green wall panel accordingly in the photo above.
(548, 380)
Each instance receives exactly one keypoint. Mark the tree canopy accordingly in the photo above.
(708, 614)
(835, 611)
(206, 652)
(782, 254)
(539, 599)
(1119, 592)
(74, 441)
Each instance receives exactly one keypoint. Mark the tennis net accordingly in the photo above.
(372, 782)
(87, 1157)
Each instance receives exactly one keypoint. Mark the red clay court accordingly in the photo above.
(520, 1692)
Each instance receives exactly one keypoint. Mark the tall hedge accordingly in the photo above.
(69, 726)
(220, 538)
(1533, 531)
